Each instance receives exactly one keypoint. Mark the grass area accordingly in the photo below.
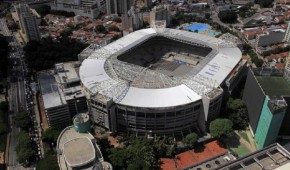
(241, 150)
(234, 144)
(274, 85)
(244, 136)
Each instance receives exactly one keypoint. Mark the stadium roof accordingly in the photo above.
(103, 74)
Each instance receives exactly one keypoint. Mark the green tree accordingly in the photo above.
(4, 56)
(50, 135)
(257, 61)
(237, 112)
(22, 120)
(105, 147)
(117, 19)
(227, 16)
(190, 139)
(118, 157)
(43, 10)
(100, 29)
(24, 151)
(115, 37)
(66, 32)
(139, 153)
(113, 28)
(264, 3)
(49, 162)
(221, 128)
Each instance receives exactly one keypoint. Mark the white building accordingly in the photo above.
(145, 84)
(87, 8)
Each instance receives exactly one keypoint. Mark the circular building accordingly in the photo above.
(158, 81)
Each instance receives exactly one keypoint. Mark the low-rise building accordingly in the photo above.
(77, 148)
(61, 93)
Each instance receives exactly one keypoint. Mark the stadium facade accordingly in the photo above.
(158, 81)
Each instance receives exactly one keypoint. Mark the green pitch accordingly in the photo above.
(274, 86)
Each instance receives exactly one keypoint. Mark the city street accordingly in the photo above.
(16, 91)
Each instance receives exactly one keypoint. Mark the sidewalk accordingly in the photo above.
(38, 120)
(251, 146)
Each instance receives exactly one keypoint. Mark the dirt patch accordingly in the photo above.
(42, 114)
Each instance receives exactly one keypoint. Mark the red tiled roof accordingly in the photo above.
(167, 163)
(246, 57)
(280, 65)
(190, 157)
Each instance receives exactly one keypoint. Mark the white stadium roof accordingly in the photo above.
(103, 74)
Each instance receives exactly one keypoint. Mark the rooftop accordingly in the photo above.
(269, 158)
(192, 158)
(79, 151)
(52, 97)
(103, 73)
(274, 85)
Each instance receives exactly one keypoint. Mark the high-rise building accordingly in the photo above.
(27, 22)
(87, 8)
(147, 3)
(287, 35)
(137, 17)
(266, 96)
(161, 12)
(118, 6)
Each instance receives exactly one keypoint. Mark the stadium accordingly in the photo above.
(158, 81)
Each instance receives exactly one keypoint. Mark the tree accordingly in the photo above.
(100, 29)
(49, 162)
(207, 15)
(4, 56)
(22, 120)
(43, 10)
(221, 128)
(44, 54)
(227, 16)
(237, 112)
(118, 157)
(113, 28)
(115, 37)
(23, 149)
(257, 61)
(50, 135)
(264, 3)
(138, 154)
(190, 140)
(117, 19)
(66, 32)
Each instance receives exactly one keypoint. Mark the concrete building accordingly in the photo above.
(266, 96)
(148, 3)
(270, 37)
(61, 93)
(161, 12)
(27, 21)
(287, 34)
(136, 17)
(273, 157)
(118, 6)
(87, 8)
(78, 149)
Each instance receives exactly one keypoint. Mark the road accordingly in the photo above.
(16, 92)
